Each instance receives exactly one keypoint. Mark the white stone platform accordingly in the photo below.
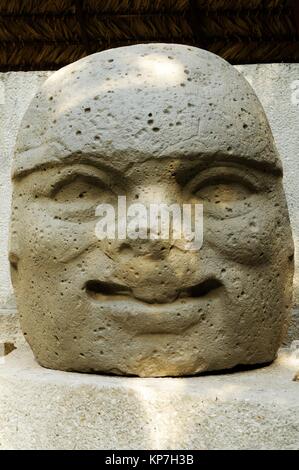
(46, 409)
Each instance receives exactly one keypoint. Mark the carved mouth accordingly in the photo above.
(201, 289)
(100, 290)
(96, 288)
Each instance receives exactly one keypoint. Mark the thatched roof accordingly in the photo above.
(48, 34)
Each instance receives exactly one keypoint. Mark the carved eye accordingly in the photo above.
(80, 189)
(76, 198)
(225, 192)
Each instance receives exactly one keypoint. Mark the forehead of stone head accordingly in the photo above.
(150, 99)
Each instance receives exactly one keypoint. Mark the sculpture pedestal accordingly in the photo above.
(46, 409)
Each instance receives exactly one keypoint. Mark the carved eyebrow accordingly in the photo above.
(190, 163)
(94, 161)
(194, 165)
(68, 177)
(74, 158)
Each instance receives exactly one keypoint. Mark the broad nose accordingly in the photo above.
(148, 248)
(147, 228)
(144, 265)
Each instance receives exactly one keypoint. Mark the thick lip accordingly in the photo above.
(99, 290)
(143, 318)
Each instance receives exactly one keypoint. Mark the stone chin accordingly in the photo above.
(160, 124)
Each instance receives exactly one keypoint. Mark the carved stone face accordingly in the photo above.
(157, 123)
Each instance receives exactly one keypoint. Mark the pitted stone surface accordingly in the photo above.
(158, 123)
(141, 101)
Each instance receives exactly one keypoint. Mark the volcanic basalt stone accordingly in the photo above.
(158, 123)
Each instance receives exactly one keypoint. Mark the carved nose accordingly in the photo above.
(155, 280)
(154, 249)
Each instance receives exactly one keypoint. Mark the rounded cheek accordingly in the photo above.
(52, 241)
(250, 239)
(50, 267)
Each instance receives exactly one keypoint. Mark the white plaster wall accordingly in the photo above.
(277, 86)
(16, 92)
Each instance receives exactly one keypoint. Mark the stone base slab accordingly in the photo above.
(46, 409)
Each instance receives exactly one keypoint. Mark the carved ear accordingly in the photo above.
(13, 260)
(14, 245)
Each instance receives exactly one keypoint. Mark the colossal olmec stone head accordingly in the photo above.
(157, 123)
